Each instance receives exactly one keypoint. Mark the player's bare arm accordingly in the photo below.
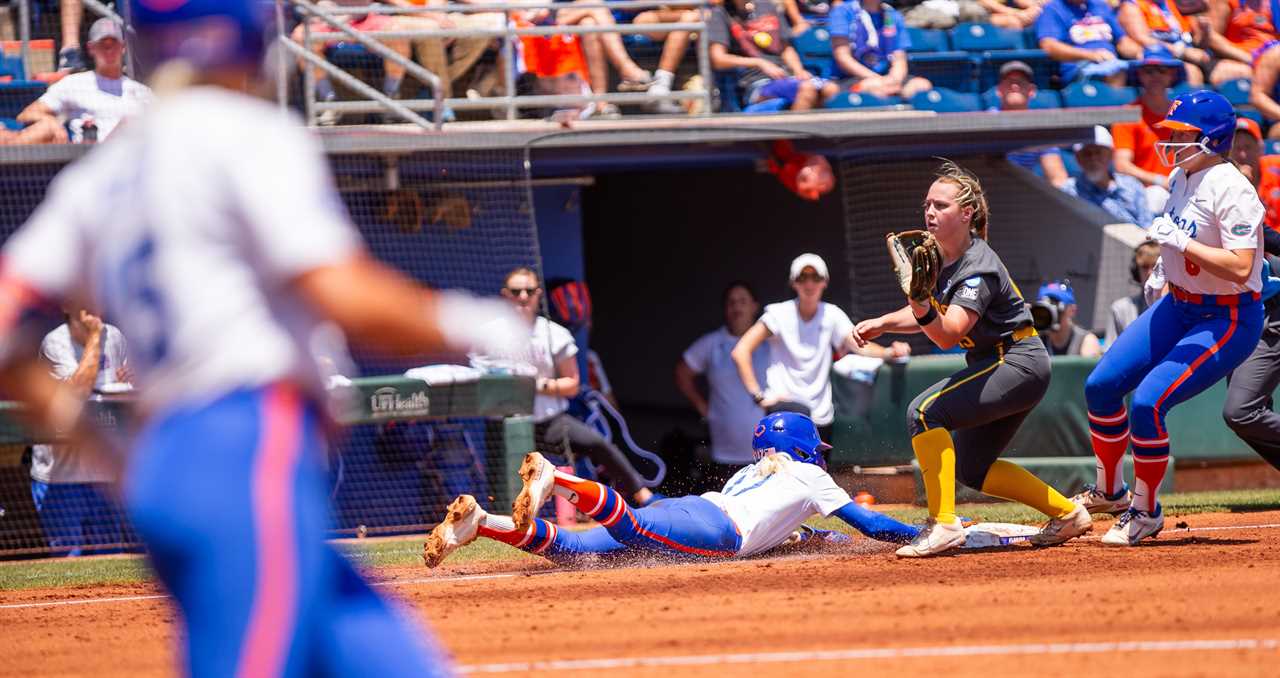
(949, 328)
(741, 355)
(1231, 265)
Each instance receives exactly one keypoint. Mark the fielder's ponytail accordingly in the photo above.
(969, 194)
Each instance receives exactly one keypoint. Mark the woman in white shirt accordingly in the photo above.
(551, 358)
(802, 335)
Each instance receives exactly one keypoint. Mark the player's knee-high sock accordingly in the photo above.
(1109, 434)
(1007, 480)
(1150, 461)
(937, 456)
(596, 500)
(536, 538)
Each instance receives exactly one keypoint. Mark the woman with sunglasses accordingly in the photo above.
(550, 356)
(802, 334)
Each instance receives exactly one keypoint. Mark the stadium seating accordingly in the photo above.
(17, 95)
(944, 100)
(927, 40)
(1272, 147)
(1086, 94)
(814, 48)
(1044, 98)
(856, 100)
(970, 37)
(1255, 116)
(953, 70)
(10, 124)
(767, 106)
(11, 67)
(1236, 91)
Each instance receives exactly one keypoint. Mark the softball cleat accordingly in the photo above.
(1095, 500)
(539, 479)
(935, 538)
(458, 529)
(1059, 530)
(1134, 526)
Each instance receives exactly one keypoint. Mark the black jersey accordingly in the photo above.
(979, 282)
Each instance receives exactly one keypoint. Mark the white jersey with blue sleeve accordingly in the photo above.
(1219, 208)
(185, 230)
(768, 508)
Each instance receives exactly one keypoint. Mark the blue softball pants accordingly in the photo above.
(1173, 351)
(231, 500)
(681, 526)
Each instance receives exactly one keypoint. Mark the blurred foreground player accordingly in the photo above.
(759, 509)
(210, 232)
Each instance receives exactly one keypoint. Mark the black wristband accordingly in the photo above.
(758, 397)
(928, 317)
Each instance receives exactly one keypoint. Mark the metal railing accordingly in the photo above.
(509, 36)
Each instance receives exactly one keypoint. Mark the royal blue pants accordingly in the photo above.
(1172, 352)
(680, 526)
(231, 501)
(74, 515)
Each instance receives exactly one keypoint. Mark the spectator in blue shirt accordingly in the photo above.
(869, 41)
(1086, 37)
(1015, 89)
(1123, 196)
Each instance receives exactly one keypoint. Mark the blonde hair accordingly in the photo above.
(969, 194)
(772, 464)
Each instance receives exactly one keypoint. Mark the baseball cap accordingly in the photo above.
(1101, 137)
(1016, 66)
(1058, 290)
(105, 28)
(809, 260)
(1244, 124)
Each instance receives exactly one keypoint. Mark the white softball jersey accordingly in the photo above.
(1220, 208)
(186, 229)
(767, 509)
(549, 344)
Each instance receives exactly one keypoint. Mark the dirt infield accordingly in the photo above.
(1199, 602)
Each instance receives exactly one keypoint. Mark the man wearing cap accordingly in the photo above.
(91, 103)
(1061, 335)
(1015, 90)
(1135, 142)
(1262, 170)
(802, 333)
(1087, 38)
(1120, 195)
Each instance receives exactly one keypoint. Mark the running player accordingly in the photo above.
(976, 305)
(210, 232)
(1211, 251)
(759, 509)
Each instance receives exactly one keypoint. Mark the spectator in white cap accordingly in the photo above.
(85, 107)
(1123, 196)
(802, 334)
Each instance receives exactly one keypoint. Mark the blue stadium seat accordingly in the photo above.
(1069, 161)
(1044, 99)
(1086, 94)
(1236, 91)
(927, 40)
(813, 43)
(1180, 89)
(727, 83)
(1272, 147)
(848, 100)
(17, 95)
(767, 106)
(351, 56)
(1044, 68)
(985, 37)
(952, 70)
(10, 124)
(11, 66)
(1255, 116)
(946, 101)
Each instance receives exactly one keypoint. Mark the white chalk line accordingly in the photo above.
(509, 575)
(862, 654)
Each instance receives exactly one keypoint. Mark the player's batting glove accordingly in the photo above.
(1165, 232)
(1153, 288)
(488, 326)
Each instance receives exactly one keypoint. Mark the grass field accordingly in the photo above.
(400, 552)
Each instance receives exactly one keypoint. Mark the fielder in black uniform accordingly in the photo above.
(1249, 409)
(976, 305)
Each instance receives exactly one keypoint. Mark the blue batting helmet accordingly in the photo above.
(792, 434)
(1208, 113)
(205, 33)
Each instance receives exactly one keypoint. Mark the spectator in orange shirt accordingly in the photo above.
(1158, 22)
(1262, 170)
(1240, 28)
(1136, 141)
(1263, 94)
